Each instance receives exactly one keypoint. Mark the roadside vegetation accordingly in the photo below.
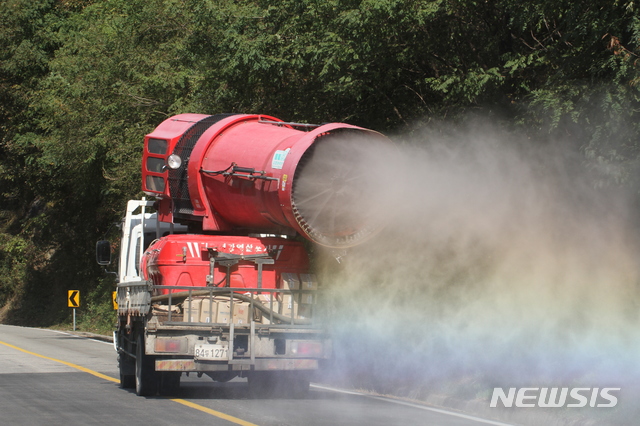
(82, 81)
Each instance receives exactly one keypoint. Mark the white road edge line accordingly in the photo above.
(101, 341)
(79, 337)
(409, 404)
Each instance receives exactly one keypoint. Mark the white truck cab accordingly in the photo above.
(139, 230)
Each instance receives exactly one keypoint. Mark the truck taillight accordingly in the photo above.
(170, 345)
(306, 348)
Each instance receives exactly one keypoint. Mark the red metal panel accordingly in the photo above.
(183, 259)
(209, 211)
(240, 201)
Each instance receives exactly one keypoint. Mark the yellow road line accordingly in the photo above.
(189, 404)
(213, 412)
(77, 367)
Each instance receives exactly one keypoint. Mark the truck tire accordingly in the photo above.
(169, 383)
(126, 365)
(127, 382)
(146, 377)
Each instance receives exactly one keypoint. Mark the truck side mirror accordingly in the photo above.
(103, 253)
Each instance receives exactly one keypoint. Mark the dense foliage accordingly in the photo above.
(81, 82)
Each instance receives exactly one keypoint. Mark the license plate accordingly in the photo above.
(212, 352)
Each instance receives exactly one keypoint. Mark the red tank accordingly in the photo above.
(241, 174)
(183, 260)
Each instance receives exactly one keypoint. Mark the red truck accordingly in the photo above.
(215, 280)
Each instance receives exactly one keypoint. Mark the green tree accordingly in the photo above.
(27, 43)
(82, 81)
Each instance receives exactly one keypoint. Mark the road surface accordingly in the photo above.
(55, 378)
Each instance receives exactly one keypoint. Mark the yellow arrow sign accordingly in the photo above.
(73, 298)
(115, 300)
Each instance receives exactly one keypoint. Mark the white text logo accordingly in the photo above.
(554, 397)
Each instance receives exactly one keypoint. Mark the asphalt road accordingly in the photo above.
(51, 378)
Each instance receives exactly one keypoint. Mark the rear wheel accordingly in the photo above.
(126, 363)
(127, 367)
(146, 377)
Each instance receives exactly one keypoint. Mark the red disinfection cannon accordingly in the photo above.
(241, 173)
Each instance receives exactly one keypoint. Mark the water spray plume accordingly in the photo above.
(499, 260)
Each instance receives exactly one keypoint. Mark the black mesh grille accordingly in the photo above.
(178, 179)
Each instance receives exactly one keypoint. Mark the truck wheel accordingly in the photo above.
(169, 383)
(146, 378)
(126, 365)
(127, 382)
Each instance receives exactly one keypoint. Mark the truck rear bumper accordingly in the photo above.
(268, 364)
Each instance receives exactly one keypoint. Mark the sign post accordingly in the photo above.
(73, 301)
